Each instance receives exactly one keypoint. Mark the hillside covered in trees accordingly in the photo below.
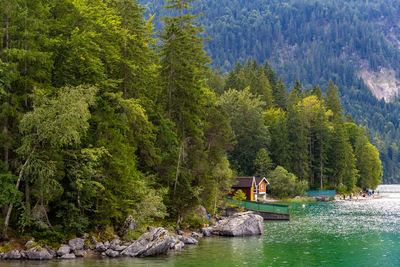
(101, 119)
(316, 41)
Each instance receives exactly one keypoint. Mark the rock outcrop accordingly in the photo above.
(76, 243)
(240, 224)
(38, 253)
(64, 249)
(156, 241)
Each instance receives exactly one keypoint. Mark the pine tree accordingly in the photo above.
(280, 94)
(333, 100)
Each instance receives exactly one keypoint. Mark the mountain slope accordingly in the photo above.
(356, 43)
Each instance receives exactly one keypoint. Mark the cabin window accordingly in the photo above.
(262, 186)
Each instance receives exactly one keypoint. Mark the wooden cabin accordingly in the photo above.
(253, 187)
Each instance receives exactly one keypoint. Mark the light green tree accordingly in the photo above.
(54, 123)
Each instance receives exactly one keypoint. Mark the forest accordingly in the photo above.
(315, 41)
(101, 117)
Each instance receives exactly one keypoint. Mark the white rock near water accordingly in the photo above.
(240, 224)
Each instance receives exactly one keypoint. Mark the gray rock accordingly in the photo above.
(99, 246)
(64, 249)
(30, 244)
(76, 243)
(180, 232)
(188, 240)
(94, 241)
(23, 254)
(52, 252)
(116, 245)
(202, 212)
(197, 235)
(240, 224)
(68, 256)
(112, 253)
(156, 241)
(12, 255)
(179, 245)
(79, 253)
(207, 231)
(1, 255)
(107, 244)
(38, 253)
(129, 225)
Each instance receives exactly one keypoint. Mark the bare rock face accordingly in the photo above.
(197, 235)
(207, 231)
(240, 224)
(64, 249)
(76, 244)
(112, 253)
(156, 241)
(12, 255)
(99, 246)
(38, 253)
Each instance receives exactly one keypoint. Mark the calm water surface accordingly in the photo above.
(363, 233)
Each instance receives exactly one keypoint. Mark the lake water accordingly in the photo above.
(358, 233)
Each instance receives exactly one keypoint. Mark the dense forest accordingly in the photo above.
(101, 118)
(315, 41)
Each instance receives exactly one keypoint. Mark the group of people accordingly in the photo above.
(362, 194)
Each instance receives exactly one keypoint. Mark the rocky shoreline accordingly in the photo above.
(154, 242)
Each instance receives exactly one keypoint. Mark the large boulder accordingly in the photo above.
(156, 241)
(38, 253)
(112, 253)
(64, 249)
(99, 246)
(76, 244)
(207, 231)
(117, 245)
(12, 255)
(240, 224)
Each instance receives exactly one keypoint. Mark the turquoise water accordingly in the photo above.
(359, 233)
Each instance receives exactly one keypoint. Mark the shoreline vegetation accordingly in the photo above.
(103, 120)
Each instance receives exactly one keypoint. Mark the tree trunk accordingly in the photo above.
(10, 207)
(27, 198)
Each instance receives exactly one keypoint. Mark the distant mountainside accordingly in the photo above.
(354, 42)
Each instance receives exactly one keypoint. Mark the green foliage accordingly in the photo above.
(50, 237)
(262, 163)
(245, 112)
(8, 192)
(327, 48)
(239, 195)
(100, 120)
(194, 221)
(285, 184)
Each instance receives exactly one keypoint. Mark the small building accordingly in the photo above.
(253, 187)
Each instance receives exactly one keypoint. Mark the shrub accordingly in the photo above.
(285, 184)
